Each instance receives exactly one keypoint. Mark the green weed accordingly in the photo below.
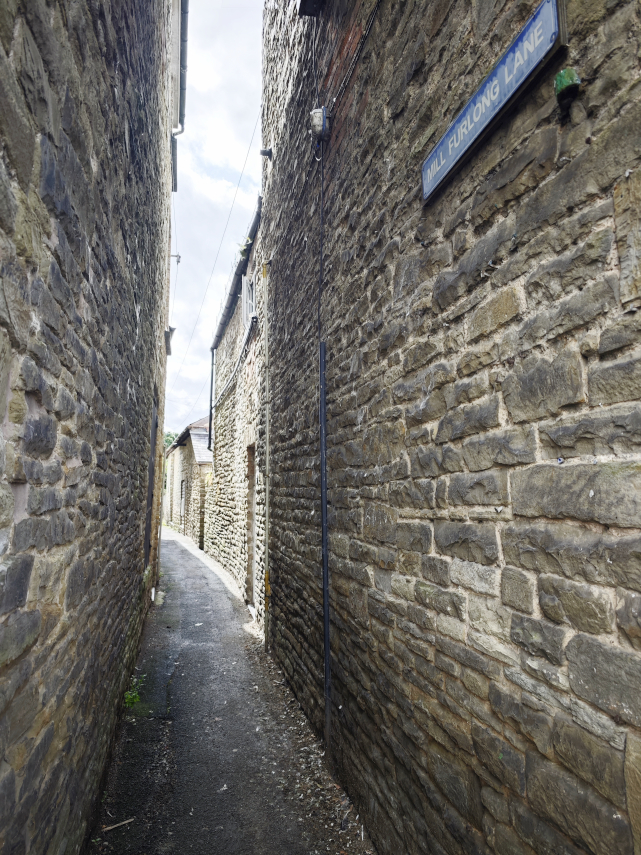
(132, 695)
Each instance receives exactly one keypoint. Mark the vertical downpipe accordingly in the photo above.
(323, 464)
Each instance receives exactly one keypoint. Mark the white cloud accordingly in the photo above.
(223, 103)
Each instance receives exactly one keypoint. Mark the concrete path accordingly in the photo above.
(216, 757)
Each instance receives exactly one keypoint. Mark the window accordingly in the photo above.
(248, 298)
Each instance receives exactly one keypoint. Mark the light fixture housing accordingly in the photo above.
(311, 8)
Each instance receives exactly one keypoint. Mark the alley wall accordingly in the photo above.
(185, 475)
(85, 177)
(234, 507)
(484, 386)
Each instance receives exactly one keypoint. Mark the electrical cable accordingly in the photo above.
(355, 58)
(217, 254)
(196, 401)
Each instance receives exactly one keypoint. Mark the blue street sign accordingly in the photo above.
(535, 43)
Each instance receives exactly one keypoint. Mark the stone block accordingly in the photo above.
(496, 803)
(428, 410)
(629, 616)
(539, 637)
(626, 331)
(474, 542)
(507, 448)
(606, 676)
(15, 575)
(483, 579)
(534, 724)
(417, 493)
(500, 758)
(585, 607)
(457, 782)
(40, 436)
(605, 432)
(432, 460)
(14, 124)
(495, 312)
(465, 391)
(379, 523)
(445, 602)
(486, 488)
(8, 204)
(468, 420)
(577, 310)
(611, 382)
(576, 808)
(65, 406)
(591, 759)
(517, 590)
(17, 633)
(6, 505)
(609, 493)
(473, 360)
(575, 552)
(543, 838)
(633, 786)
(414, 536)
(627, 202)
(435, 569)
(542, 387)
(488, 616)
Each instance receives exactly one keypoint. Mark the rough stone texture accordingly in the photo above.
(85, 179)
(627, 201)
(588, 609)
(235, 497)
(472, 343)
(607, 677)
(633, 786)
(187, 474)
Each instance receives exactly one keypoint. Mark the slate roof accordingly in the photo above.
(199, 433)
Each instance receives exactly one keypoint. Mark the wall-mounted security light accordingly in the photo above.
(266, 152)
(320, 124)
(310, 7)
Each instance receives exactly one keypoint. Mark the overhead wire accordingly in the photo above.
(217, 255)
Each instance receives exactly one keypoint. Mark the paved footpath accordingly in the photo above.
(216, 758)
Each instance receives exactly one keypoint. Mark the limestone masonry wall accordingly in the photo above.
(234, 529)
(182, 468)
(484, 425)
(85, 177)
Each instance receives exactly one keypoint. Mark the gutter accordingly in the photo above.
(184, 20)
(234, 288)
(233, 294)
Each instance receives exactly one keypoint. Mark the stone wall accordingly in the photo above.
(484, 377)
(234, 524)
(182, 469)
(84, 149)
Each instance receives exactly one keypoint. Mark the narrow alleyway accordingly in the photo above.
(216, 757)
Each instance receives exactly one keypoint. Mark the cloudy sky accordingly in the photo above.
(223, 104)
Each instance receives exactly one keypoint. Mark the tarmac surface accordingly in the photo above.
(216, 756)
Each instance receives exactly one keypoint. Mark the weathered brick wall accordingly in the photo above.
(484, 377)
(182, 467)
(239, 423)
(84, 150)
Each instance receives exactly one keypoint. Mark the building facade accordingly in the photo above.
(85, 130)
(235, 517)
(483, 394)
(188, 467)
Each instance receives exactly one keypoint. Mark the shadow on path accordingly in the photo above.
(216, 757)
